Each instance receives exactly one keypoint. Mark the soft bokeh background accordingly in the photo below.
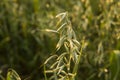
(24, 45)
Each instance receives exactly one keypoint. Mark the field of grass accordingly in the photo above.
(59, 39)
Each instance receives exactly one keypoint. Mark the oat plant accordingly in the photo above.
(12, 75)
(64, 65)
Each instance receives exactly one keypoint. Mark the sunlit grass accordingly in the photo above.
(30, 33)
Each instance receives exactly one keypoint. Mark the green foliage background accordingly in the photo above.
(24, 45)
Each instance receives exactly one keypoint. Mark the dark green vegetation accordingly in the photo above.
(26, 41)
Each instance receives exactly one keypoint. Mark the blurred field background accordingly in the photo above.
(24, 45)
